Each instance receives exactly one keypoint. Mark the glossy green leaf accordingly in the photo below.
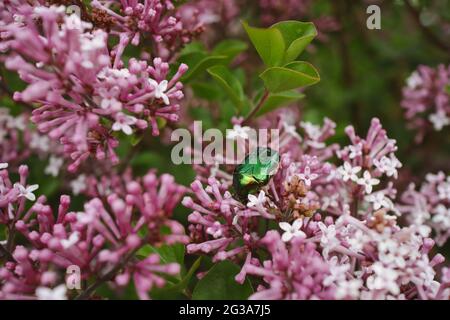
(229, 83)
(198, 62)
(268, 43)
(294, 75)
(296, 35)
(219, 284)
(277, 100)
(230, 48)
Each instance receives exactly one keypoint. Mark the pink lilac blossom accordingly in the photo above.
(340, 240)
(101, 240)
(160, 21)
(428, 206)
(19, 140)
(426, 99)
(83, 97)
(13, 134)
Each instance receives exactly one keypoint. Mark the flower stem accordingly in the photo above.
(257, 108)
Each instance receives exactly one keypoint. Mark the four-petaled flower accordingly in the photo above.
(379, 200)
(307, 176)
(254, 201)
(439, 120)
(348, 172)
(160, 89)
(123, 123)
(26, 192)
(291, 231)
(368, 182)
(54, 165)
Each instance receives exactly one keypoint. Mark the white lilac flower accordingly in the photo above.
(348, 289)
(254, 201)
(26, 192)
(379, 200)
(355, 151)
(388, 165)
(338, 271)
(444, 191)
(368, 182)
(307, 176)
(54, 165)
(439, 120)
(441, 216)
(3, 165)
(41, 143)
(160, 89)
(292, 231)
(79, 184)
(328, 239)
(383, 279)
(414, 80)
(57, 293)
(238, 132)
(348, 172)
(123, 123)
(312, 130)
(291, 130)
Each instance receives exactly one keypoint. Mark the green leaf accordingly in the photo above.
(219, 284)
(447, 88)
(230, 48)
(229, 83)
(277, 100)
(167, 254)
(294, 75)
(296, 35)
(268, 43)
(206, 90)
(199, 62)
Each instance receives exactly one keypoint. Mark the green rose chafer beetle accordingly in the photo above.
(255, 172)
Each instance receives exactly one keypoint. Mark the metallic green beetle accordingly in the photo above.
(255, 172)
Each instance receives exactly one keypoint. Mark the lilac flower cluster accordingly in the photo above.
(133, 21)
(330, 232)
(101, 240)
(426, 99)
(83, 91)
(19, 140)
(429, 207)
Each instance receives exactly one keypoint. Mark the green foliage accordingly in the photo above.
(219, 284)
(268, 43)
(280, 99)
(296, 35)
(293, 75)
(229, 83)
(278, 46)
(198, 59)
